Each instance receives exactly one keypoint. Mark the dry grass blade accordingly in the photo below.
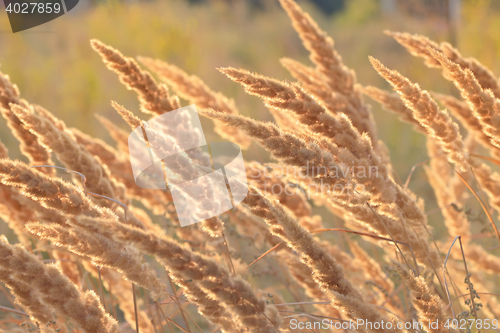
(3, 308)
(485, 209)
(493, 160)
(473, 305)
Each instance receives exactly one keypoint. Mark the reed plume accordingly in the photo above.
(484, 104)
(276, 246)
(27, 298)
(423, 47)
(463, 112)
(234, 293)
(327, 273)
(103, 250)
(437, 123)
(330, 67)
(74, 156)
(428, 306)
(154, 98)
(55, 290)
(392, 102)
(193, 89)
(30, 147)
(51, 193)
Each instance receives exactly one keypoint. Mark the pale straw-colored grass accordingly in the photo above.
(90, 248)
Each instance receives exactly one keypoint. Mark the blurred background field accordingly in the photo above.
(54, 66)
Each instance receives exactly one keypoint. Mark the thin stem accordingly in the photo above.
(135, 309)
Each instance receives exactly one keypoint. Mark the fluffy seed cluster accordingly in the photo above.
(93, 245)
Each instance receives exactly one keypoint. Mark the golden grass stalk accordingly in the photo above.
(457, 186)
(303, 275)
(365, 218)
(438, 162)
(322, 52)
(438, 123)
(76, 157)
(58, 123)
(314, 82)
(121, 170)
(51, 193)
(232, 292)
(287, 121)
(28, 300)
(121, 289)
(462, 111)
(107, 154)
(30, 147)
(422, 46)
(184, 166)
(343, 141)
(73, 156)
(292, 98)
(329, 63)
(104, 251)
(489, 182)
(327, 273)
(252, 226)
(12, 212)
(335, 102)
(132, 120)
(291, 150)
(393, 103)
(17, 209)
(207, 306)
(484, 104)
(154, 98)
(166, 141)
(428, 306)
(482, 259)
(118, 166)
(382, 291)
(193, 89)
(55, 290)
(157, 202)
(67, 264)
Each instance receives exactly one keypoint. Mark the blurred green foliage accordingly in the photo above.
(54, 66)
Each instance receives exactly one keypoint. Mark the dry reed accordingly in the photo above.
(272, 258)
